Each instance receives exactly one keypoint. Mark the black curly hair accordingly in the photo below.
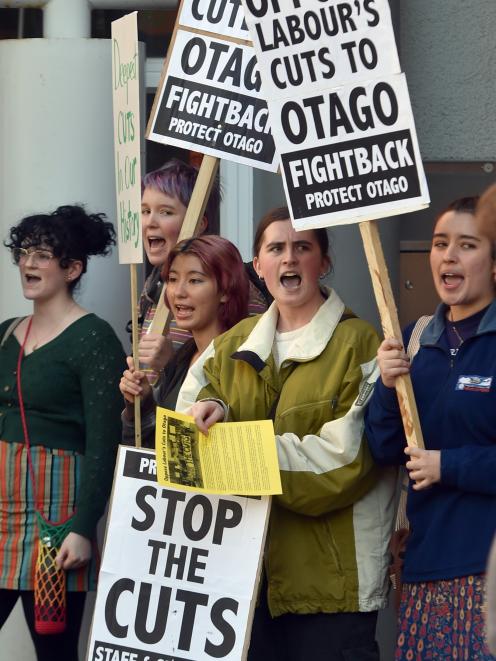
(70, 232)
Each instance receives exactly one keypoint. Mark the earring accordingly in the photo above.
(261, 278)
(69, 278)
(324, 275)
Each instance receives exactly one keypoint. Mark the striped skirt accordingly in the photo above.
(443, 620)
(56, 474)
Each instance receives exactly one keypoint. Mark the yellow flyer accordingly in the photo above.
(235, 458)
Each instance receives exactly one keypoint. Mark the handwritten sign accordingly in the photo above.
(339, 109)
(125, 87)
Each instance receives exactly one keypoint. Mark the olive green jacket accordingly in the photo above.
(330, 528)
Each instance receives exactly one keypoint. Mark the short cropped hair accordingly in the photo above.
(177, 179)
(221, 260)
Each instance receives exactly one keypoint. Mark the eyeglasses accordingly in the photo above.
(39, 257)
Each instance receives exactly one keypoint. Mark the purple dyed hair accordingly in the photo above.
(177, 179)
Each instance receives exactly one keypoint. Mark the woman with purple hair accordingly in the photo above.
(166, 193)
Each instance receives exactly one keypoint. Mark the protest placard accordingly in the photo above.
(343, 126)
(221, 17)
(339, 109)
(127, 130)
(126, 95)
(209, 96)
(179, 570)
(236, 457)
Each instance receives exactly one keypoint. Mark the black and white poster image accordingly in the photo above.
(339, 108)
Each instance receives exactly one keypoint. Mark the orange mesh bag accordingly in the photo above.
(49, 580)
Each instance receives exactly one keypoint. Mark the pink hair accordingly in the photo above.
(221, 260)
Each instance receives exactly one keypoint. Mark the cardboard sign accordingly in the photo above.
(209, 98)
(126, 92)
(339, 109)
(221, 17)
(179, 570)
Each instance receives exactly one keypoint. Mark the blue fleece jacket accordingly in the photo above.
(453, 522)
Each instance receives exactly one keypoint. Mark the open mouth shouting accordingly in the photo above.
(155, 244)
(290, 280)
(451, 280)
(183, 311)
(32, 278)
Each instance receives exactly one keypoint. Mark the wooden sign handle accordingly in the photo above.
(135, 334)
(391, 327)
(191, 223)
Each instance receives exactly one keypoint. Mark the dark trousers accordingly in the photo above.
(58, 647)
(313, 637)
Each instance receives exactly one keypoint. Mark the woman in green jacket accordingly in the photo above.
(308, 363)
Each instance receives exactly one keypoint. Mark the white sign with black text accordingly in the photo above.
(209, 99)
(339, 108)
(221, 17)
(179, 571)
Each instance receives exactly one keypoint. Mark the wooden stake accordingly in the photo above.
(135, 333)
(190, 226)
(391, 327)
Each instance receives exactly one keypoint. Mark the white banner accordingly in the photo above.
(339, 108)
(179, 570)
(126, 93)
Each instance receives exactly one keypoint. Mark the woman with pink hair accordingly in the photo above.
(207, 292)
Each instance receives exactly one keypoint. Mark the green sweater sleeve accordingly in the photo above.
(101, 364)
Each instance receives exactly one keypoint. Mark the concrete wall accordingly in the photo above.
(56, 140)
(447, 52)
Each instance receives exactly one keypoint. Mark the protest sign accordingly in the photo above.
(339, 109)
(127, 129)
(126, 93)
(222, 17)
(179, 570)
(209, 96)
(344, 129)
(236, 457)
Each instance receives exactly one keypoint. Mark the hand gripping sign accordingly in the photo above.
(126, 96)
(209, 100)
(343, 126)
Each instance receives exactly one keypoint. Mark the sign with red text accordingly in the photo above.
(179, 570)
(209, 98)
(126, 94)
(339, 109)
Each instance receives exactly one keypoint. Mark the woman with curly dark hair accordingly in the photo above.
(59, 424)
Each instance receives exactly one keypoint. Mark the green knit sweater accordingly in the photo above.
(72, 402)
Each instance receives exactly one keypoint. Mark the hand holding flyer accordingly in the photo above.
(235, 458)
